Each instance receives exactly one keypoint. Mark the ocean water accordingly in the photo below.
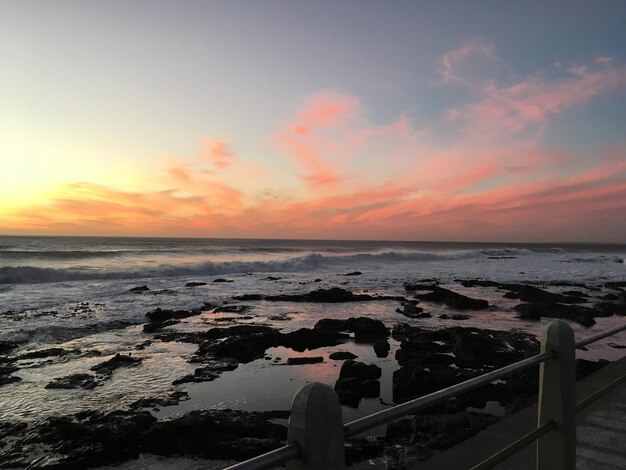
(74, 293)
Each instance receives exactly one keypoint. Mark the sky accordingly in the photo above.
(401, 120)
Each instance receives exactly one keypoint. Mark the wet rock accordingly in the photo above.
(528, 293)
(617, 346)
(357, 380)
(453, 299)
(139, 289)
(86, 381)
(332, 295)
(209, 372)
(360, 370)
(354, 273)
(216, 434)
(456, 316)
(117, 361)
(605, 309)
(232, 309)
(381, 348)
(411, 310)
(93, 439)
(50, 352)
(195, 284)
(294, 361)
(279, 317)
(161, 315)
(424, 284)
(304, 338)
(576, 313)
(7, 346)
(220, 279)
(248, 297)
(273, 278)
(342, 355)
(366, 330)
(156, 403)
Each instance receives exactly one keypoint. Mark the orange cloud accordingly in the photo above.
(217, 153)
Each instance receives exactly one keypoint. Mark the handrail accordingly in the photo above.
(270, 459)
(512, 448)
(592, 339)
(293, 450)
(376, 419)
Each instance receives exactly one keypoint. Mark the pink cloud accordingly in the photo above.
(216, 152)
(502, 110)
(315, 138)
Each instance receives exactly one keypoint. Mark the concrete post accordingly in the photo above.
(556, 450)
(316, 425)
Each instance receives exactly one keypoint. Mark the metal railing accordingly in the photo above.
(316, 434)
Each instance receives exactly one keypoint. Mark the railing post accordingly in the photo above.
(316, 425)
(556, 450)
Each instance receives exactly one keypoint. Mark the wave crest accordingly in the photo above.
(309, 262)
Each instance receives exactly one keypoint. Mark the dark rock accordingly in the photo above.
(86, 381)
(156, 403)
(7, 346)
(617, 346)
(215, 434)
(360, 370)
(575, 293)
(304, 338)
(342, 355)
(117, 361)
(273, 278)
(453, 299)
(456, 316)
(220, 279)
(161, 315)
(294, 361)
(317, 280)
(46, 353)
(576, 313)
(381, 348)
(139, 289)
(357, 380)
(196, 284)
(424, 284)
(413, 311)
(354, 273)
(366, 330)
(158, 325)
(210, 371)
(245, 297)
(332, 295)
(9, 379)
(605, 309)
(232, 309)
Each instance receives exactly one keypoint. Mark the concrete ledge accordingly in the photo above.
(486, 443)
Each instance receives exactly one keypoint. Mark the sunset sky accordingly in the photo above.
(405, 120)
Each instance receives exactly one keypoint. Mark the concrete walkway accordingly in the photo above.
(601, 432)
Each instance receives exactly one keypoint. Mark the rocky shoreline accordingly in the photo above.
(428, 359)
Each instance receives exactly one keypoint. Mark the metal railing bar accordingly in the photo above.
(512, 448)
(270, 459)
(581, 405)
(592, 339)
(368, 422)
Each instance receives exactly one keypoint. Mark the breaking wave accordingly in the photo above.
(309, 262)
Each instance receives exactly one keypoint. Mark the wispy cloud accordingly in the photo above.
(480, 170)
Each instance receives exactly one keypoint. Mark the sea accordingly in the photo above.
(80, 294)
